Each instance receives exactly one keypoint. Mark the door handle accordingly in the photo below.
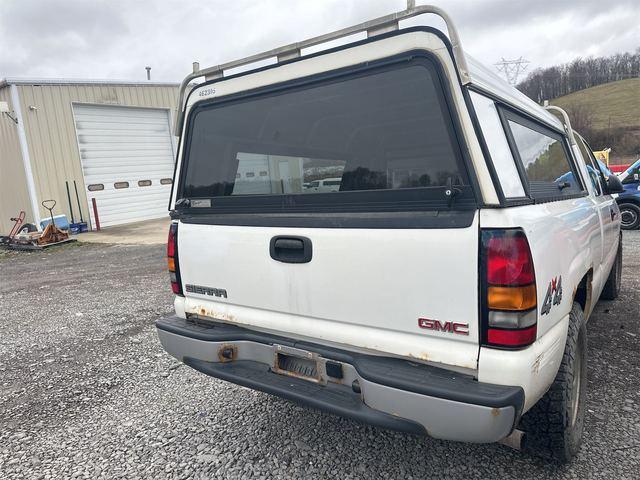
(291, 249)
(613, 214)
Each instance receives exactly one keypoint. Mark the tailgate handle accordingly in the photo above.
(291, 249)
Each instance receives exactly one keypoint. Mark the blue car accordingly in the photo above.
(629, 200)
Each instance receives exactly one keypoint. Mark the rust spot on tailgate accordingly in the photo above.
(424, 356)
(206, 312)
(495, 412)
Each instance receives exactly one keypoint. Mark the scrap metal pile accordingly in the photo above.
(25, 236)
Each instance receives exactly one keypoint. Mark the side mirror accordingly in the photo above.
(614, 185)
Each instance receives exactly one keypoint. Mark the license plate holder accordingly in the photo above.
(297, 363)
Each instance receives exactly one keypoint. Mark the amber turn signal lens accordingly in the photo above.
(172, 264)
(512, 298)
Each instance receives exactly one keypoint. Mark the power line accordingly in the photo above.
(512, 68)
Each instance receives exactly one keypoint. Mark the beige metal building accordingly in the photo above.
(113, 138)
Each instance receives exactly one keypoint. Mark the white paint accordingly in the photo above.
(364, 288)
(533, 368)
(26, 159)
(567, 238)
(125, 145)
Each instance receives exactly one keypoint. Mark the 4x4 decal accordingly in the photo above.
(553, 296)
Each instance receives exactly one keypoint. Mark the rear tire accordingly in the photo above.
(611, 289)
(553, 427)
(629, 216)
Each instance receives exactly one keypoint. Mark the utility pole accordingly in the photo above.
(512, 68)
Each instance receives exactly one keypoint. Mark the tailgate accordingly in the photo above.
(366, 288)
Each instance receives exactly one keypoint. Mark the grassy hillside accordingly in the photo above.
(618, 101)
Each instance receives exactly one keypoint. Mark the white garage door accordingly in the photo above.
(127, 159)
(253, 175)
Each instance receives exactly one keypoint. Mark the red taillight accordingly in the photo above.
(512, 338)
(509, 261)
(171, 242)
(509, 315)
(172, 259)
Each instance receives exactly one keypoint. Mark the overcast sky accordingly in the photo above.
(116, 39)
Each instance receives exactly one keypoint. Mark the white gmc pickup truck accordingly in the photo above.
(443, 289)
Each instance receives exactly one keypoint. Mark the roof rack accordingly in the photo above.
(373, 27)
(565, 119)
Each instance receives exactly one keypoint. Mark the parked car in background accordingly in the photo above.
(629, 200)
(441, 286)
(325, 185)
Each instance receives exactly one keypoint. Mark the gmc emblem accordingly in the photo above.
(447, 327)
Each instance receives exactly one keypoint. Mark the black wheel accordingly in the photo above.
(553, 427)
(611, 289)
(629, 216)
(27, 228)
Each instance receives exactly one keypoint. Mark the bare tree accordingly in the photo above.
(581, 118)
(553, 82)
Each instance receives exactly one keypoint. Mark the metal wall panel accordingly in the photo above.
(14, 195)
(51, 135)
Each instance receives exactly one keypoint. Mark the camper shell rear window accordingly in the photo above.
(376, 138)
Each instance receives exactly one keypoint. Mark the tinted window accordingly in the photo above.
(545, 161)
(388, 130)
(630, 179)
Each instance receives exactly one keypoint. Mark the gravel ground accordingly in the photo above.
(86, 391)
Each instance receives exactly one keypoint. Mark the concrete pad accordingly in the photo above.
(149, 232)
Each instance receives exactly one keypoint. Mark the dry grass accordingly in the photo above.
(618, 102)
